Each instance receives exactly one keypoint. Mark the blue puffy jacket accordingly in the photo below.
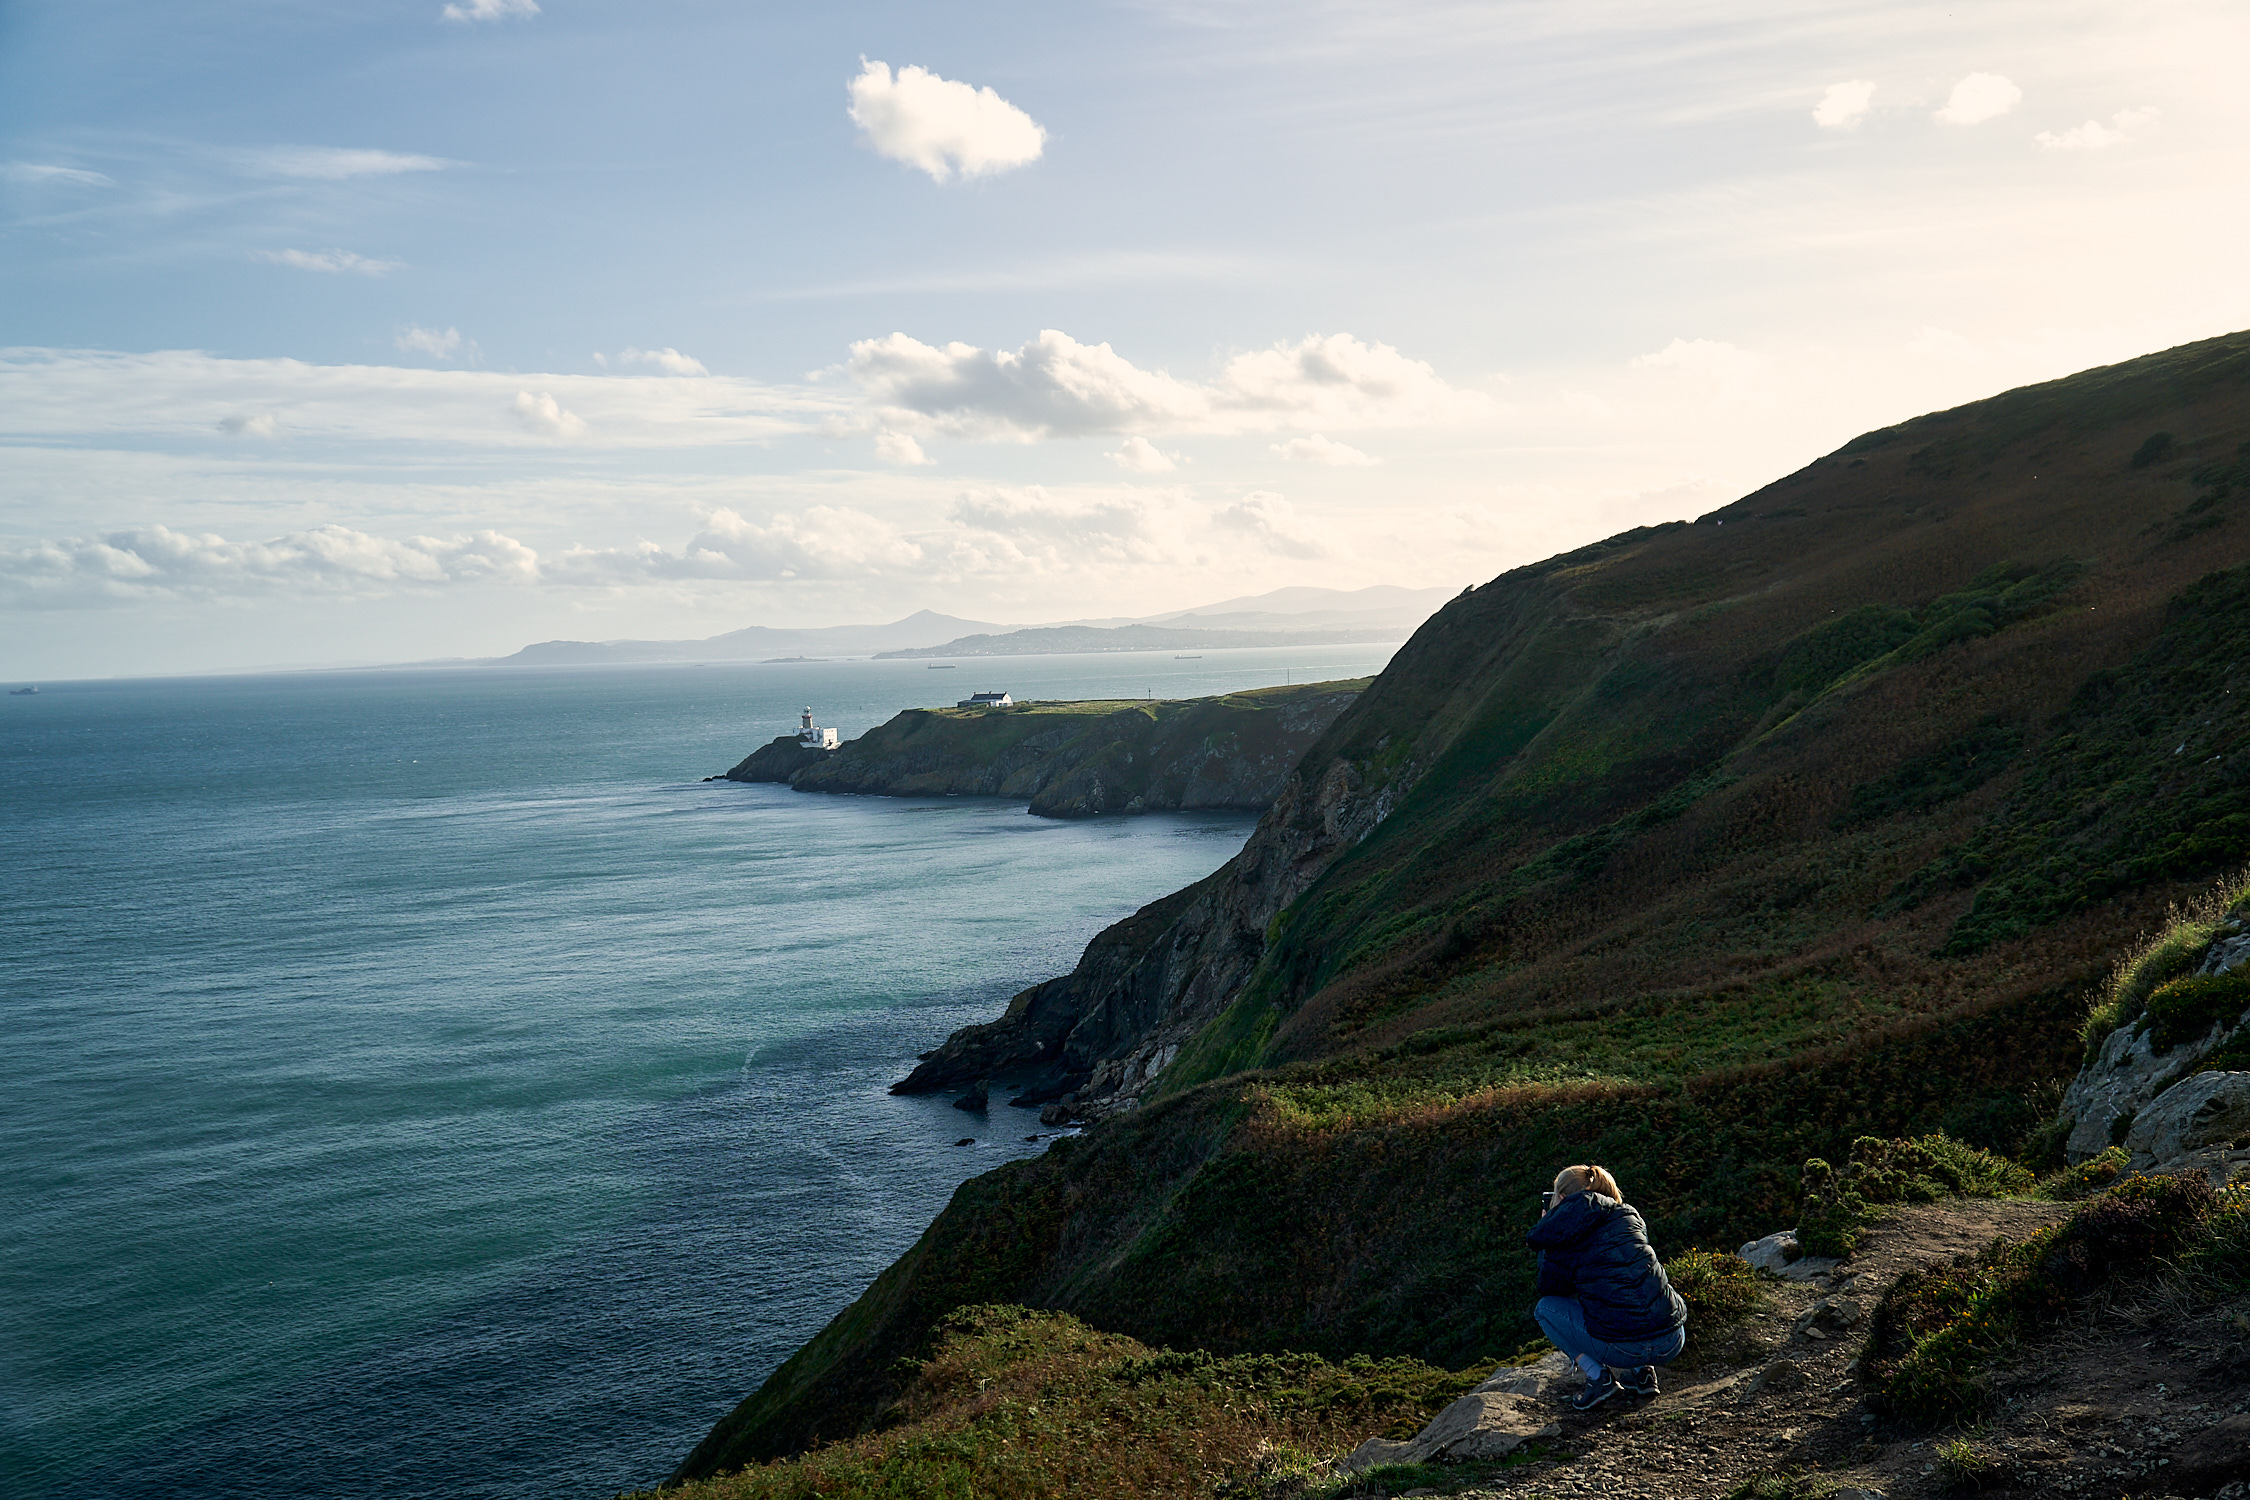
(1596, 1249)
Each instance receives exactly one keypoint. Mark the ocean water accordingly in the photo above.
(425, 1084)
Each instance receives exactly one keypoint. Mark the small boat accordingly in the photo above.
(29, 692)
(941, 666)
(1197, 657)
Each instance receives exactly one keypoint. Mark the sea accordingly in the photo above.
(426, 1083)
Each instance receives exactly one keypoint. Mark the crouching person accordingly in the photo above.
(1603, 1298)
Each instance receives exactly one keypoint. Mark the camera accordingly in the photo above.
(1546, 1201)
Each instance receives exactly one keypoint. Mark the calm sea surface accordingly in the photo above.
(424, 1084)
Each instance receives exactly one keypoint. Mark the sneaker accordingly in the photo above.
(1638, 1382)
(1598, 1390)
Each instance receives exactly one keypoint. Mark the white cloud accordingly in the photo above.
(939, 125)
(120, 567)
(2094, 136)
(1055, 386)
(822, 541)
(1980, 97)
(1137, 455)
(334, 262)
(670, 361)
(263, 425)
(1731, 375)
(71, 397)
(333, 164)
(1844, 105)
(437, 344)
(491, 10)
(1276, 524)
(31, 171)
(1032, 532)
(898, 448)
(545, 415)
(1320, 450)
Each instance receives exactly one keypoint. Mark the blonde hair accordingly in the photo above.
(1571, 1181)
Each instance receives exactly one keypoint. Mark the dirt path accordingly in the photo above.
(2122, 1404)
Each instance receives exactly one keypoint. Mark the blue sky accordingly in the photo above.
(371, 332)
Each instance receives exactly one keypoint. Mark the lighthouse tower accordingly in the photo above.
(812, 736)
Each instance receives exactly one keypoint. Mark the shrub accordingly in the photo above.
(1782, 1484)
(2091, 1176)
(2172, 953)
(1718, 1287)
(1720, 1290)
(1013, 1404)
(1963, 1465)
(2185, 1010)
(1839, 1203)
(1935, 1329)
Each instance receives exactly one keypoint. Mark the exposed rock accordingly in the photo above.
(1781, 1375)
(1831, 1317)
(2207, 1110)
(1773, 1253)
(2125, 1075)
(2227, 953)
(978, 1099)
(1545, 1378)
(777, 760)
(1482, 1424)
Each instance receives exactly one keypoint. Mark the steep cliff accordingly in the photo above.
(1696, 852)
(1078, 760)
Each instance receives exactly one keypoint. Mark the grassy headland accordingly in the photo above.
(1078, 759)
(1698, 852)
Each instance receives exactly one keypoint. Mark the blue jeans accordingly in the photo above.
(1563, 1320)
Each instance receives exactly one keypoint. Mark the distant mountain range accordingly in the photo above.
(1289, 616)
(1065, 640)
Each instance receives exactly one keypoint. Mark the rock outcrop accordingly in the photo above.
(2206, 1112)
(2131, 1072)
(777, 760)
(1514, 1407)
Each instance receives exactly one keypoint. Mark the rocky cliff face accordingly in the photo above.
(778, 760)
(1078, 760)
(1147, 985)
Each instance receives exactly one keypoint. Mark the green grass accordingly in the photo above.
(2137, 782)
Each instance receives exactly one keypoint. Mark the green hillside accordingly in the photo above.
(1696, 852)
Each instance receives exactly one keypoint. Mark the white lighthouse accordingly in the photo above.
(813, 737)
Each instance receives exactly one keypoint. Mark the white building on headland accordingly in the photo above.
(986, 700)
(813, 737)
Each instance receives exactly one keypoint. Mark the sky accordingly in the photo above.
(401, 329)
